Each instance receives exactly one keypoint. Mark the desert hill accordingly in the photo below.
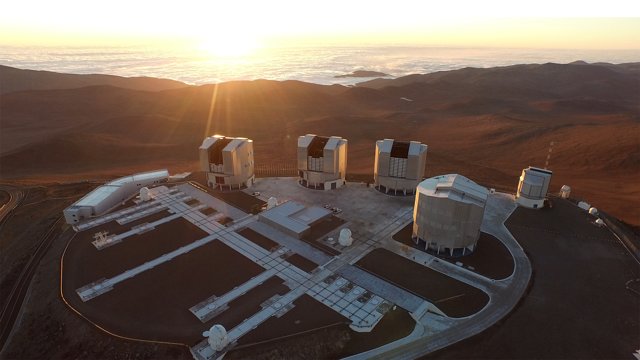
(13, 79)
(484, 123)
(602, 81)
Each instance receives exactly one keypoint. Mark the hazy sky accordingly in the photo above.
(242, 25)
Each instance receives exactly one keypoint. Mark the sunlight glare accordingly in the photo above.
(229, 46)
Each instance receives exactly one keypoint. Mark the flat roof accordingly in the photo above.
(310, 214)
(540, 170)
(455, 187)
(295, 216)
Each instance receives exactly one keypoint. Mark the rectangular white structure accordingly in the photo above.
(227, 162)
(399, 165)
(293, 218)
(533, 187)
(111, 194)
(322, 161)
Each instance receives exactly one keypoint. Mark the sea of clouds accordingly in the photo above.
(311, 64)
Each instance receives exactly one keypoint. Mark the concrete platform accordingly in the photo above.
(354, 295)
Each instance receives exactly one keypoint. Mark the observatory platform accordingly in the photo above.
(265, 265)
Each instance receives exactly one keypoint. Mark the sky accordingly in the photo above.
(237, 26)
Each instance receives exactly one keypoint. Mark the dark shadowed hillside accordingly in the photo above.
(602, 81)
(12, 79)
(486, 124)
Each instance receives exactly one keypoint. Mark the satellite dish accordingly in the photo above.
(345, 238)
(217, 337)
(271, 203)
(145, 195)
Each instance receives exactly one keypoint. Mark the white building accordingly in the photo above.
(227, 162)
(293, 218)
(533, 187)
(399, 165)
(111, 194)
(322, 161)
(448, 214)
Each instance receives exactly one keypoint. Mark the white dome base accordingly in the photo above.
(217, 337)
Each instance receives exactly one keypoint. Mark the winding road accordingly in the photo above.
(16, 196)
(501, 303)
(16, 296)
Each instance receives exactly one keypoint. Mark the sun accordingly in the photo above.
(229, 46)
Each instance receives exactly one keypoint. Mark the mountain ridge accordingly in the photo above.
(15, 79)
(487, 132)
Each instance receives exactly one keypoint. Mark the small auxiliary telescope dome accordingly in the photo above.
(565, 191)
(217, 337)
(593, 211)
(145, 195)
(345, 238)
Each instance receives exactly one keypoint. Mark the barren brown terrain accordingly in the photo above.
(487, 124)
(62, 333)
(484, 123)
(14, 79)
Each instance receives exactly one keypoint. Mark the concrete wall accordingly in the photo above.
(445, 223)
(342, 168)
(204, 159)
(381, 161)
(530, 203)
(387, 184)
(302, 158)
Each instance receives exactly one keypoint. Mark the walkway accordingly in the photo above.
(296, 245)
(504, 297)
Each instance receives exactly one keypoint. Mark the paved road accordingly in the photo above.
(501, 303)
